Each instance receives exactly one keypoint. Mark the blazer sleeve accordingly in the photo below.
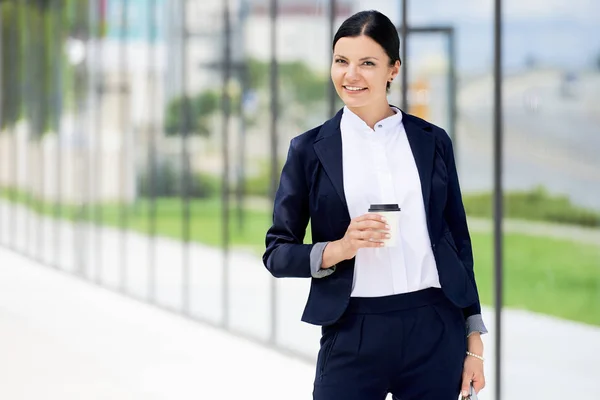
(285, 255)
(456, 218)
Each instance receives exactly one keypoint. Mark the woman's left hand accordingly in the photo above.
(473, 367)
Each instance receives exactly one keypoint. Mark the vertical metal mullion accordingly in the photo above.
(124, 175)
(75, 167)
(98, 128)
(2, 117)
(152, 153)
(15, 40)
(452, 77)
(242, 70)
(91, 125)
(28, 214)
(404, 48)
(87, 135)
(58, 153)
(41, 170)
(8, 75)
(498, 203)
(331, 94)
(226, 103)
(273, 136)
(78, 154)
(185, 195)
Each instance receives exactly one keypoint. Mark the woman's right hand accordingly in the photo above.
(368, 230)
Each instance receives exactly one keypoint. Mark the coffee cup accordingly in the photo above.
(391, 213)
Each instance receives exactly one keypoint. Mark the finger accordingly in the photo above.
(361, 239)
(368, 235)
(370, 217)
(371, 243)
(358, 235)
(379, 236)
(374, 236)
(372, 224)
(361, 243)
(466, 383)
(478, 383)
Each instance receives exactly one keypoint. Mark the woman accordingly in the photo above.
(401, 319)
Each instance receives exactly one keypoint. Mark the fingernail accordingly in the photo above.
(383, 219)
(464, 394)
(387, 227)
(387, 236)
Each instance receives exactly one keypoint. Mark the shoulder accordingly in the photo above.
(442, 139)
(438, 132)
(305, 141)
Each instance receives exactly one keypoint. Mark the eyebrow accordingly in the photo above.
(362, 59)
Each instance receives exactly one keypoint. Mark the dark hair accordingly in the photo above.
(375, 25)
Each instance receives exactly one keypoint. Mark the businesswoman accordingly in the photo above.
(403, 319)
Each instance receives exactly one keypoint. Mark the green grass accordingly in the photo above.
(542, 274)
(535, 204)
(546, 275)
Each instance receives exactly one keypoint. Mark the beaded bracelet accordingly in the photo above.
(475, 355)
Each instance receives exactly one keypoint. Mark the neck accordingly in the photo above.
(372, 114)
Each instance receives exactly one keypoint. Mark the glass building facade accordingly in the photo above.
(141, 142)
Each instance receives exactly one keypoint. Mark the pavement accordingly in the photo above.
(63, 336)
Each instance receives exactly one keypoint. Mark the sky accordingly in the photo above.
(558, 33)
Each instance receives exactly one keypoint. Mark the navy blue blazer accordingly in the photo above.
(311, 188)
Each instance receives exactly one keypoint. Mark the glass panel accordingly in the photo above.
(466, 29)
(552, 200)
(249, 140)
(203, 52)
(125, 157)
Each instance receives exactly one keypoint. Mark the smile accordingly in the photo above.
(354, 88)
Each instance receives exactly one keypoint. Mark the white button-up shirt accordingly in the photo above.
(379, 168)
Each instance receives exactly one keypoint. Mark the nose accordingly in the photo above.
(351, 73)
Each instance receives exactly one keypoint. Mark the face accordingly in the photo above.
(360, 71)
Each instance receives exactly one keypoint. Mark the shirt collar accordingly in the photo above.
(352, 121)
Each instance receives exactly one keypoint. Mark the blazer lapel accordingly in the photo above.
(422, 144)
(328, 147)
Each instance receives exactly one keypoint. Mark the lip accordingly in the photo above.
(354, 92)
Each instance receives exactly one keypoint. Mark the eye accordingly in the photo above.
(369, 63)
(340, 61)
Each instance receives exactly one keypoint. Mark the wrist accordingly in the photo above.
(475, 344)
(332, 254)
(342, 249)
(475, 355)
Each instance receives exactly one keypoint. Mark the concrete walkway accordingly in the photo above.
(62, 337)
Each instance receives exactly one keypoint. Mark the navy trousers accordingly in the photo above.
(411, 345)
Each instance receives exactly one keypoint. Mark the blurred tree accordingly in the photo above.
(33, 34)
(298, 85)
(11, 68)
(201, 108)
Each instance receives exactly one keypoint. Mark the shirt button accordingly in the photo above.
(380, 126)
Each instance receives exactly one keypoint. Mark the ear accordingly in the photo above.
(394, 70)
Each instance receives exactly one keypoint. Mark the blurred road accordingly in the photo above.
(64, 338)
(550, 139)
